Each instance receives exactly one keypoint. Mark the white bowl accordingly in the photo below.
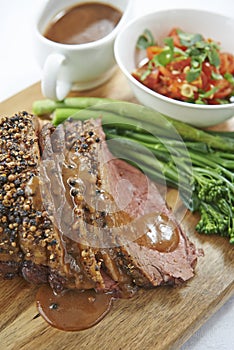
(210, 25)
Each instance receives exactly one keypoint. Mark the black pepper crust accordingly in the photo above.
(29, 243)
(18, 160)
(25, 231)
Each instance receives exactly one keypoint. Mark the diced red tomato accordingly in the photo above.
(227, 63)
(173, 33)
(164, 71)
(204, 81)
(225, 89)
(152, 80)
(168, 80)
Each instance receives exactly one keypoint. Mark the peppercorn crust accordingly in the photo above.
(19, 155)
(26, 232)
(29, 237)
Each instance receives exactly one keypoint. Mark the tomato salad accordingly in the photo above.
(187, 68)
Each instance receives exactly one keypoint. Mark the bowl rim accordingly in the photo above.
(145, 88)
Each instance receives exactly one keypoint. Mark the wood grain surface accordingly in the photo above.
(159, 319)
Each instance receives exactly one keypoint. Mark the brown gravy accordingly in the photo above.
(160, 233)
(74, 310)
(83, 23)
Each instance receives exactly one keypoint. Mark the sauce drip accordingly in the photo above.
(73, 310)
(160, 233)
(83, 23)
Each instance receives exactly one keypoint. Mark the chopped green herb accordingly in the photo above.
(181, 53)
(215, 45)
(188, 39)
(195, 52)
(213, 57)
(193, 74)
(145, 74)
(148, 71)
(145, 40)
(164, 57)
(195, 63)
(199, 102)
(209, 93)
(216, 76)
(201, 44)
(222, 101)
(229, 77)
(169, 43)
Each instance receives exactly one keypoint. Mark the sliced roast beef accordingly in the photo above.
(84, 218)
(74, 216)
(151, 248)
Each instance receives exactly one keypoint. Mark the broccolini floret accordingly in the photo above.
(215, 202)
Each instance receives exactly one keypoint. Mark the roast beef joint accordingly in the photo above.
(86, 226)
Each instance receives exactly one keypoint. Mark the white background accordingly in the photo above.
(18, 70)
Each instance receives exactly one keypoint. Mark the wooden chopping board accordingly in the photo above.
(159, 319)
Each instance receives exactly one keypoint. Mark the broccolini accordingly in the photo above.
(198, 163)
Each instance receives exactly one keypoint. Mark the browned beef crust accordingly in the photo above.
(65, 216)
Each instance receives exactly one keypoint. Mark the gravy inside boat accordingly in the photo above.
(83, 23)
